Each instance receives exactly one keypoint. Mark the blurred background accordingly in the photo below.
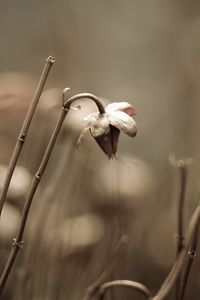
(143, 52)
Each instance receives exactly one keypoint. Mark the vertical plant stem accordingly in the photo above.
(17, 244)
(104, 275)
(180, 220)
(171, 279)
(24, 130)
(188, 264)
(192, 235)
(181, 206)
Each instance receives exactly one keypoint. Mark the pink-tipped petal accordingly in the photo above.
(121, 106)
(123, 122)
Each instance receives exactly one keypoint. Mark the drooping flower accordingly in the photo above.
(105, 128)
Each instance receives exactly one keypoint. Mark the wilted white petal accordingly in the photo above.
(123, 122)
(105, 128)
(121, 106)
(99, 125)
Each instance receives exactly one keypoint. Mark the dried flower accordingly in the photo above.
(105, 128)
(180, 163)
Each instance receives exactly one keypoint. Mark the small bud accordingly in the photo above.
(180, 163)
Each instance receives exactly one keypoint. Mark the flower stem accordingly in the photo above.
(125, 283)
(179, 265)
(188, 265)
(24, 130)
(180, 219)
(191, 238)
(180, 225)
(17, 242)
(100, 106)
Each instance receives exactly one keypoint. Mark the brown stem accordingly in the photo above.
(18, 241)
(24, 130)
(125, 283)
(180, 220)
(188, 264)
(191, 237)
(28, 202)
(180, 212)
(179, 265)
(100, 106)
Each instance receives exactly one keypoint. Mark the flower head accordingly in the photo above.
(105, 128)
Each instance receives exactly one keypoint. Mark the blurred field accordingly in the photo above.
(143, 52)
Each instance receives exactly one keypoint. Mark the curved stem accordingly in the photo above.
(24, 130)
(69, 101)
(179, 265)
(17, 243)
(125, 283)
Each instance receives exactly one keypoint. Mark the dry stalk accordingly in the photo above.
(125, 283)
(18, 241)
(24, 130)
(180, 220)
(178, 267)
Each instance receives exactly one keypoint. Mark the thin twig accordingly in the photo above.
(28, 201)
(188, 264)
(192, 235)
(125, 283)
(68, 102)
(191, 240)
(180, 219)
(92, 289)
(24, 130)
(17, 242)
